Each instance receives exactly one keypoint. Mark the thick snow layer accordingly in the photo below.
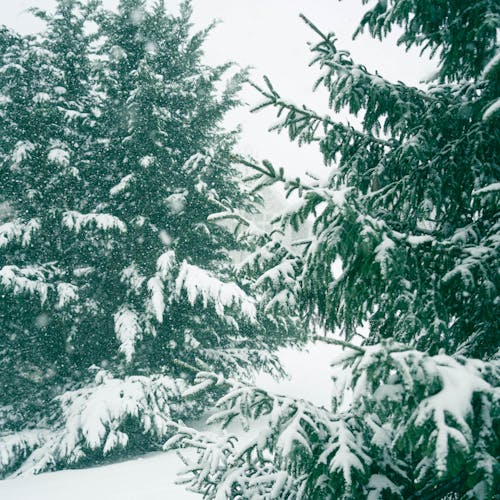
(153, 476)
(127, 329)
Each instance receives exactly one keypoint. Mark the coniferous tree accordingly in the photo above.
(409, 207)
(114, 281)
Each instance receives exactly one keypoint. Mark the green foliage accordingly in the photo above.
(461, 33)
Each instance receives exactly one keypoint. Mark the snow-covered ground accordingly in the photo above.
(152, 477)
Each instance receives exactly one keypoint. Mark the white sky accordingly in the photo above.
(269, 36)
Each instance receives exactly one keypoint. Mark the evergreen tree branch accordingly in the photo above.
(349, 65)
(341, 343)
(273, 99)
(187, 366)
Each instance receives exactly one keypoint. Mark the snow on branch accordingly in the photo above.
(382, 253)
(93, 415)
(132, 276)
(448, 413)
(28, 280)
(200, 284)
(391, 399)
(67, 293)
(123, 185)
(77, 221)
(34, 280)
(15, 447)
(283, 273)
(433, 397)
(128, 330)
(59, 156)
(22, 151)
(494, 187)
(274, 463)
(156, 299)
(491, 109)
(94, 419)
(303, 123)
(18, 230)
(193, 162)
(165, 263)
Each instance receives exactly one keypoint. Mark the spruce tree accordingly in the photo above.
(114, 281)
(409, 208)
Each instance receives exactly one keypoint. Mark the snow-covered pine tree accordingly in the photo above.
(409, 208)
(164, 135)
(113, 279)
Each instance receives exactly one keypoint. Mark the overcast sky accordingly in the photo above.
(269, 36)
